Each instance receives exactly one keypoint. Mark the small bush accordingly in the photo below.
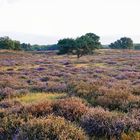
(40, 109)
(6, 92)
(136, 90)
(52, 128)
(98, 122)
(56, 86)
(9, 103)
(9, 126)
(83, 89)
(131, 136)
(117, 98)
(70, 108)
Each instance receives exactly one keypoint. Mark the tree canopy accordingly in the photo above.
(66, 45)
(7, 43)
(123, 43)
(80, 46)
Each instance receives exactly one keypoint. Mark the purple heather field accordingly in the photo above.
(60, 97)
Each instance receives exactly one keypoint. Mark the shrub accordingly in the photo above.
(9, 126)
(2, 113)
(14, 127)
(37, 86)
(9, 103)
(83, 89)
(132, 121)
(40, 109)
(56, 86)
(98, 122)
(131, 136)
(70, 108)
(52, 128)
(117, 98)
(136, 90)
(6, 92)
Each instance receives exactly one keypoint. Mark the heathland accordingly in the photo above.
(60, 97)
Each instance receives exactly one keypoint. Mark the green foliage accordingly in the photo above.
(26, 47)
(7, 43)
(67, 45)
(29, 47)
(137, 46)
(81, 46)
(123, 43)
(86, 44)
(52, 47)
(39, 47)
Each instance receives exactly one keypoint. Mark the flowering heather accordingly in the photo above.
(62, 97)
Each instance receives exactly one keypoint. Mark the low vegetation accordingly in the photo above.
(48, 96)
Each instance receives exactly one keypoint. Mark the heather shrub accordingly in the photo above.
(11, 81)
(130, 136)
(40, 109)
(2, 113)
(110, 80)
(135, 113)
(132, 121)
(44, 79)
(9, 126)
(131, 124)
(6, 92)
(134, 103)
(56, 86)
(38, 87)
(136, 90)
(117, 98)
(22, 92)
(52, 128)
(7, 103)
(98, 122)
(83, 89)
(70, 108)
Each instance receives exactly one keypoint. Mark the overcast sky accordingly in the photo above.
(46, 21)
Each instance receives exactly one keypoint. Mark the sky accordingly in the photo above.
(47, 21)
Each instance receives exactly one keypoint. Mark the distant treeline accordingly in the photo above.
(137, 46)
(9, 44)
(67, 45)
(29, 47)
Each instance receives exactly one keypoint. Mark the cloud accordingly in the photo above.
(11, 1)
(2, 2)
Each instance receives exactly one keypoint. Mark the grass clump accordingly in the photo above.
(40, 97)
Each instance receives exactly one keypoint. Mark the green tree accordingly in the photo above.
(7, 43)
(80, 46)
(137, 46)
(26, 47)
(123, 43)
(66, 45)
(86, 44)
(16, 45)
